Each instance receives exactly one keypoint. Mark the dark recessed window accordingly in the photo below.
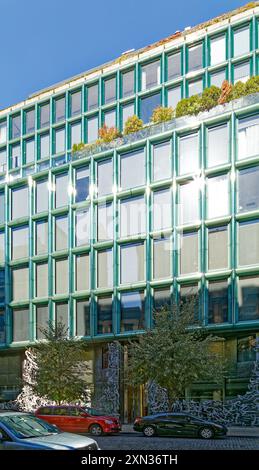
(42, 320)
(246, 351)
(61, 314)
(218, 301)
(147, 106)
(82, 184)
(2, 327)
(104, 315)
(132, 311)
(248, 298)
(82, 318)
(161, 298)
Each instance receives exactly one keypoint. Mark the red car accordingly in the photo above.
(79, 419)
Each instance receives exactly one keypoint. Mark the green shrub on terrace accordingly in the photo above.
(78, 147)
(252, 85)
(188, 106)
(133, 124)
(162, 114)
(239, 90)
(210, 97)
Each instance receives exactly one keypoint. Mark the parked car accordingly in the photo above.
(23, 431)
(178, 424)
(79, 419)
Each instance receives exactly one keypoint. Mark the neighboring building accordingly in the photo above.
(62, 254)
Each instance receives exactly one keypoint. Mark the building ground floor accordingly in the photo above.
(111, 391)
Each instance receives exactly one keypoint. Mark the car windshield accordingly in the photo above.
(24, 426)
(94, 412)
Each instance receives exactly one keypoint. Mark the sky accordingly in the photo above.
(46, 41)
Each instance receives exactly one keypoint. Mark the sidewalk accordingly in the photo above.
(235, 431)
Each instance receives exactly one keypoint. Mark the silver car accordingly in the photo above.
(23, 431)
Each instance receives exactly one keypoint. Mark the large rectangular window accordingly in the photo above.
(105, 222)
(42, 196)
(44, 146)
(60, 140)
(104, 315)
(110, 118)
(218, 301)
(2, 208)
(190, 293)
(3, 158)
(104, 177)
(162, 161)
(195, 59)
(92, 129)
(161, 298)
(241, 41)
(248, 189)
(132, 216)
(44, 112)
(42, 320)
(75, 134)
(20, 242)
(2, 247)
(21, 324)
(217, 78)
(218, 49)
(75, 103)
(188, 209)
(217, 196)
(61, 314)
(218, 145)
(29, 121)
(189, 253)
(248, 137)
(132, 311)
(246, 351)
(132, 263)
(188, 154)
(61, 276)
(20, 202)
(129, 177)
(3, 132)
(15, 126)
(242, 72)
(218, 247)
(109, 90)
(29, 150)
(249, 243)
(150, 75)
(82, 272)
(104, 269)
(174, 95)
(127, 83)
(20, 283)
(60, 109)
(61, 233)
(174, 67)
(82, 221)
(15, 155)
(127, 111)
(147, 106)
(248, 298)
(61, 193)
(92, 97)
(41, 239)
(42, 280)
(162, 207)
(82, 318)
(82, 184)
(162, 253)
(195, 87)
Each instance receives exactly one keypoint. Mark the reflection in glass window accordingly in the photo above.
(174, 95)
(218, 301)
(189, 203)
(2, 247)
(20, 242)
(242, 72)
(21, 325)
(162, 252)
(75, 136)
(29, 121)
(92, 129)
(248, 189)
(132, 311)
(16, 155)
(61, 276)
(82, 272)
(162, 161)
(29, 151)
(75, 103)
(127, 111)
(218, 145)
(217, 196)
(42, 280)
(246, 351)
(105, 222)
(218, 77)
(174, 66)
(15, 126)
(218, 49)
(195, 60)
(92, 97)
(44, 115)
(82, 222)
(42, 196)
(61, 313)
(20, 202)
(104, 177)
(82, 318)
(248, 137)
(60, 140)
(60, 109)
(241, 41)
(249, 231)
(104, 315)
(41, 239)
(132, 263)
(248, 298)
(42, 320)
(104, 269)
(189, 253)
(109, 90)
(195, 87)
(128, 83)
(44, 146)
(188, 154)
(2, 208)
(3, 132)
(61, 193)
(20, 283)
(129, 178)
(3, 159)
(161, 298)
(82, 184)
(150, 75)
(147, 106)
(132, 216)
(162, 217)
(110, 118)
(218, 247)
(61, 233)
(190, 293)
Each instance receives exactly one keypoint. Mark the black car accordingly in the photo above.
(178, 424)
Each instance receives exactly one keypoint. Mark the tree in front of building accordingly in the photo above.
(175, 353)
(61, 373)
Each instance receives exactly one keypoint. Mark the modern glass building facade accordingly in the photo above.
(98, 240)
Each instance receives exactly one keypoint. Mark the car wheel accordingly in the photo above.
(206, 433)
(149, 431)
(95, 430)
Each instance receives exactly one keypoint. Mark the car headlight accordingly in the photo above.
(108, 421)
